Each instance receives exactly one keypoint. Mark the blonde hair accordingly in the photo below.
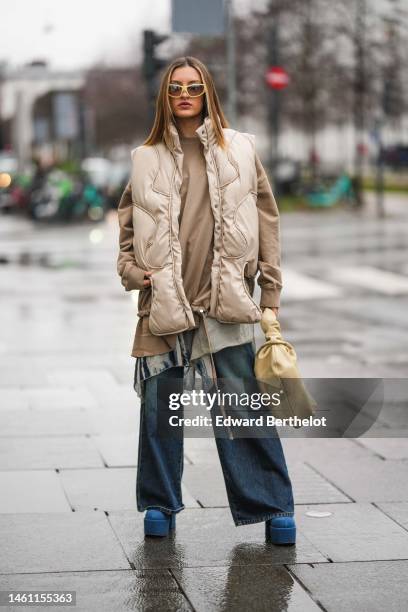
(211, 108)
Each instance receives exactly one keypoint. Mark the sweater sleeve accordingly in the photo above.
(131, 275)
(269, 258)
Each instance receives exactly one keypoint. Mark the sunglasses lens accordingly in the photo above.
(196, 89)
(174, 90)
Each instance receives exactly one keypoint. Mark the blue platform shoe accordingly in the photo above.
(157, 523)
(281, 530)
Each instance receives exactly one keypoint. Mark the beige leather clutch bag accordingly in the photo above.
(276, 371)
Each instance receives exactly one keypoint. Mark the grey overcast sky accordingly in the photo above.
(76, 33)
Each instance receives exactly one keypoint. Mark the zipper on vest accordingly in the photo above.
(217, 297)
(170, 211)
(203, 313)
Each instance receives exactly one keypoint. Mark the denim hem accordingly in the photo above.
(162, 508)
(262, 519)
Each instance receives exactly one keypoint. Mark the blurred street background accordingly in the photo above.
(324, 87)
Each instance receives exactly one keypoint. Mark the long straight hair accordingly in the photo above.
(160, 131)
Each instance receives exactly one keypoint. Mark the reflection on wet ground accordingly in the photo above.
(69, 432)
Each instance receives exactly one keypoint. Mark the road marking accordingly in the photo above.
(298, 286)
(369, 277)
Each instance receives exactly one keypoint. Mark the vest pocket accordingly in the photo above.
(250, 283)
(234, 303)
(244, 282)
(144, 229)
(241, 237)
(169, 314)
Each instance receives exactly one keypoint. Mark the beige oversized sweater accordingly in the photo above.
(196, 231)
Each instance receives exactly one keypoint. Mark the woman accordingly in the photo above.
(198, 220)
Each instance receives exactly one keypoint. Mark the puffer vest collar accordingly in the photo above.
(205, 133)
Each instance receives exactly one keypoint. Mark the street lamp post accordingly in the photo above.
(274, 100)
(359, 95)
(379, 167)
(231, 61)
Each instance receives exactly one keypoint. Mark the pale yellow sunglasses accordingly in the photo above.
(194, 90)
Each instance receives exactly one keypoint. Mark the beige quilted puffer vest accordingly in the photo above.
(156, 179)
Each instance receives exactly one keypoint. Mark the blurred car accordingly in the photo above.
(8, 165)
(396, 156)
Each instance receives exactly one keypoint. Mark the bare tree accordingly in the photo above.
(117, 100)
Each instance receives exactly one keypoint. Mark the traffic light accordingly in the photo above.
(151, 63)
(151, 66)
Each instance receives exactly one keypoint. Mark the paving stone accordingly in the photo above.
(106, 489)
(123, 369)
(198, 457)
(373, 478)
(103, 489)
(192, 445)
(383, 431)
(59, 397)
(45, 422)
(12, 399)
(24, 376)
(398, 511)
(354, 532)
(200, 450)
(114, 420)
(189, 500)
(323, 450)
(121, 591)
(368, 587)
(101, 360)
(387, 448)
(118, 450)
(206, 484)
(32, 491)
(48, 453)
(311, 488)
(122, 397)
(64, 542)
(97, 381)
(395, 416)
(262, 588)
(207, 537)
(395, 388)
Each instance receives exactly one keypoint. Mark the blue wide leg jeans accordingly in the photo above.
(254, 468)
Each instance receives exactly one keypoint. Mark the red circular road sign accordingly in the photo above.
(276, 77)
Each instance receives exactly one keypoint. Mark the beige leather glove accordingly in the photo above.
(268, 317)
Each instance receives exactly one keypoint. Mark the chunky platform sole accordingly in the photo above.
(157, 523)
(281, 530)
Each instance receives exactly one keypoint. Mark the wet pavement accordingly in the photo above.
(69, 431)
